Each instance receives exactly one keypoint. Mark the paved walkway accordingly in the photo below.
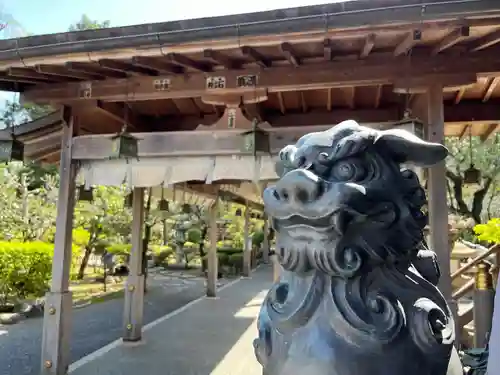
(207, 337)
(96, 325)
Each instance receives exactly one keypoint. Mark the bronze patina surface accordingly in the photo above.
(357, 295)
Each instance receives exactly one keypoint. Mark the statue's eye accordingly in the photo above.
(349, 170)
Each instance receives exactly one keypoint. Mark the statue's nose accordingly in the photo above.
(298, 186)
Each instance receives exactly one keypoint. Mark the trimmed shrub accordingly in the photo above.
(25, 269)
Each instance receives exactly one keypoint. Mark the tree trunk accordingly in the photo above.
(85, 261)
(201, 248)
(145, 242)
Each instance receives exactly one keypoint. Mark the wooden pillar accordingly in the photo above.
(58, 302)
(134, 288)
(266, 244)
(247, 245)
(438, 205)
(212, 259)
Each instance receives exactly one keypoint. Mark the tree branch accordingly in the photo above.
(457, 181)
(477, 202)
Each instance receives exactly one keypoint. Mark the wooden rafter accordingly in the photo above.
(220, 59)
(59, 71)
(485, 42)
(186, 62)
(378, 95)
(126, 68)
(30, 74)
(93, 69)
(351, 97)
(327, 49)
(368, 45)
(456, 36)
(490, 88)
(460, 94)
(289, 53)
(281, 101)
(157, 65)
(329, 99)
(490, 130)
(465, 131)
(408, 42)
(118, 112)
(258, 58)
(303, 102)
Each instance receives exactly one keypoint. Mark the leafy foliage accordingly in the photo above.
(477, 202)
(489, 232)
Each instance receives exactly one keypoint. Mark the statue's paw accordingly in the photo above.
(260, 351)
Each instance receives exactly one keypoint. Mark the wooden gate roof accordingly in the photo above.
(313, 65)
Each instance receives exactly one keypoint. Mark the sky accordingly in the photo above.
(52, 16)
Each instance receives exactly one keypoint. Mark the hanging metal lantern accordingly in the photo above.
(11, 149)
(125, 145)
(256, 140)
(163, 205)
(129, 199)
(472, 175)
(238, 212)
(186, 208)
(85, 194)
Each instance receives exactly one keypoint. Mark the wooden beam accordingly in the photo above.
(490, 130)
(460, 94)
(289, 53)
(456, 36)
(254, 55)
(378, 96)
(485, 42)
(329, 99)
(492, 85)
(368, 45)
(186, 62)
(327, 49)
(408, 42)
(18, 81)
(351, 97)
(126, 68)
(30, 74)
(93, 69)
(465, 131)
(308, 77)
(303, 102)
(286, 128)
(59, 71)
(220, 59)
(156, 64)
(118, 112)
(281, 101)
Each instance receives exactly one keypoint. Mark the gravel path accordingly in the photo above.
(94, 326)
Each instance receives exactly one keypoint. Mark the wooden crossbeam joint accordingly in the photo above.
(289, 53)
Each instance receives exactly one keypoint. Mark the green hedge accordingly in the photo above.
(25, 269)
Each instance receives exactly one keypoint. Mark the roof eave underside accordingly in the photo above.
(350, 14)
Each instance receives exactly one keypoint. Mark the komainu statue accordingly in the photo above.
(357, 295)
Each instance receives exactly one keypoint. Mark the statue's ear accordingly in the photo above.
(405, 147)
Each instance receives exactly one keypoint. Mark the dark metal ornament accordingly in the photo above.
(358, 293)
(163, 205)
(129, 198)
(125, 145)
(85, 194)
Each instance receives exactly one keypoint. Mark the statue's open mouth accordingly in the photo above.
(336, 221)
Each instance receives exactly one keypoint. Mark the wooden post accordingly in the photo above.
(438, 204)
(212, 259)
(58, 302)
(247, 246)
(134, 288)
(266, 243)
(484, 298)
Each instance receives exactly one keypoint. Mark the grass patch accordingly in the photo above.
(89, 291)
